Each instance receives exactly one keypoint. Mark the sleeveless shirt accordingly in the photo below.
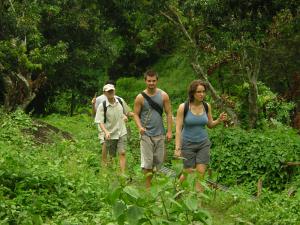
(150, 118)
(194, 127)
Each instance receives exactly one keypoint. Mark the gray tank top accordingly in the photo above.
(194, 127)
(150, 118)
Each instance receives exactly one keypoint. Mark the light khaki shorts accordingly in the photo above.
(152, 151)
(116, 145)
(101, 137)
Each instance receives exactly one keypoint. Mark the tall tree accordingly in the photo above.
(201, 49)
(61, 40)
(232, 34)
(23, 55)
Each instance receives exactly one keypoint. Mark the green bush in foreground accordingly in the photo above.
(63, 182)
(270, 208)
(243, 157)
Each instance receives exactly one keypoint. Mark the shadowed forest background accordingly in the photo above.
(55, 57)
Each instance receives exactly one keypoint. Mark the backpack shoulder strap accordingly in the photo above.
(153, 104)
(121, 102)
(187, 105)
(104, 109)
(205, 106)
(186, 108)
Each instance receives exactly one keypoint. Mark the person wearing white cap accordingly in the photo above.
(96, 101)
(111, 116)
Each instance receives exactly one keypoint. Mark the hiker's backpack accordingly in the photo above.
(187, 106)
(105, 107)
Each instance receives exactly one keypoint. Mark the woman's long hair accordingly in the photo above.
(193, 88)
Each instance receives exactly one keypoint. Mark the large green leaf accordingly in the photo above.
(191, 203)
(203, 216)
(132, 191)
(119, 209)
(175, 206)
(37, 219)
(134, 214)
(114, 195)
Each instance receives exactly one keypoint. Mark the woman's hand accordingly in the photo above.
(223, 116)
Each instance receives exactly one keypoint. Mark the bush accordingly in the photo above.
(242, 157)
(270, 208)
(129, 87)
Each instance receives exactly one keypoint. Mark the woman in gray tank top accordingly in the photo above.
(192, 142)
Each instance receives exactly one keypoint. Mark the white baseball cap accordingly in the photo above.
(108, 87)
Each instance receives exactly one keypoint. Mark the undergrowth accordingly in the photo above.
(64, 182)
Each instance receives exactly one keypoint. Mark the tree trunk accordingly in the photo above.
(251, 65)
(73, 104)
(19, 91)
(8, 93)
(196, 66)
(221, 81)
(252, 99)
(294, 95)
(218, 100)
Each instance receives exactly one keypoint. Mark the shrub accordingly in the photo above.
(242, 157)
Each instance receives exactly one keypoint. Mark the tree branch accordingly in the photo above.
(179, 23)
(168, 17)
(12, 6)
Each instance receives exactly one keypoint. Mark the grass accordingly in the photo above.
(64, 182)
(82, 129)
(225, 208)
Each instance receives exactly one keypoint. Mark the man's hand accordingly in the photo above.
(142, 130)
(107, 135)
(169, 135)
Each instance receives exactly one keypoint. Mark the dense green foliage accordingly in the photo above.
(242, 156)
(60, 183)
(56, 55)
(76, 46)
(63, 182)
(270, 208)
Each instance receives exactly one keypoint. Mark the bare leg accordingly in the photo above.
(148, 174)
(122, 162)
(201, 168)
(182, 177)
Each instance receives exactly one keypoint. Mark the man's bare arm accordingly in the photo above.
(138, 103)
